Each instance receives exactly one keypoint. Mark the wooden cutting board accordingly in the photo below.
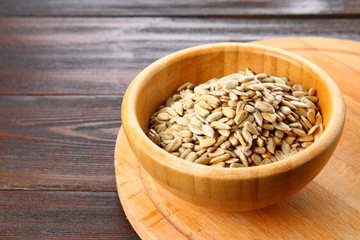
(327, 208)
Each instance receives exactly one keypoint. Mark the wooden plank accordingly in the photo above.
(60, 215)
(135, 200)
(102, 55)
(62, 143)
(179, 8)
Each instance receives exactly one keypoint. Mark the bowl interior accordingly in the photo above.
(199, 65)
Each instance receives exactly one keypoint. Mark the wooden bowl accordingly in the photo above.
(237, 189)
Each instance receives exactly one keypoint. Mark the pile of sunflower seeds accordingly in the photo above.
(240, 120)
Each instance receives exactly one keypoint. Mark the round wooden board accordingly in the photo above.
(327, 208)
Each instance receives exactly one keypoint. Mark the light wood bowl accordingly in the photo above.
(228, 189)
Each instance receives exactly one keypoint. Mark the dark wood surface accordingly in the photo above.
(64, 66)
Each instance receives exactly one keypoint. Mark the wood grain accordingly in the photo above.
(89, 56)
(62, 215)
(58, 143)
(264, 8)
(332, 198)
(149, 224)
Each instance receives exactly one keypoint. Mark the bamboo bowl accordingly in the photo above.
(237, 189)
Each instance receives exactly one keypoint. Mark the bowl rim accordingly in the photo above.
(132, 127)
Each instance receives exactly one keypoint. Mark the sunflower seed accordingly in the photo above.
(258, 118)
(196, 122)
(264, 107)
(163, 116)
(207, 142)
(247, 136)
(224, 132)
(219, 125)
(248, 126)
(195, 129)
(269, 117)
(219, 165)
(185, 153)
(191, 157)
(228, 112)
(256, 158)
(285, 147)
(270, 145)
(300, 104)
(220, 140)
(204, 159)
(201, 111)
(220, 158)
(236, 165)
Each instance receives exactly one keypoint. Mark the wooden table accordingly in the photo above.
(64, 67)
